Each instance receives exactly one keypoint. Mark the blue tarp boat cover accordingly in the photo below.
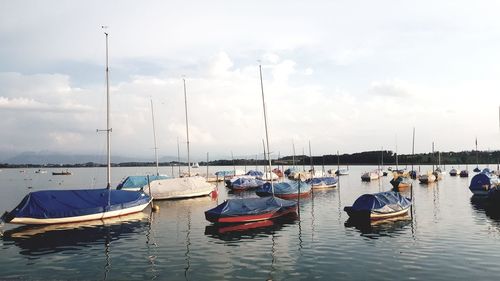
(255, 173)
(224, 173)
(139, 181)
(382, 202)
(323, 181)
(250, 206)
(247, 183)
(47, 204)
(281, 188)
(483, 179)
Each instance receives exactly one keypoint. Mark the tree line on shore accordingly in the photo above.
(386, 157)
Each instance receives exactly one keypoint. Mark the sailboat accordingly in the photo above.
(253, 209)
(184, 187)
(68, 206)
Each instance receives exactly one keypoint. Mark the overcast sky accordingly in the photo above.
(347, 75)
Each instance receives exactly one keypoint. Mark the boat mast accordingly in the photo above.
(310, 158)
(178, 157)
(477, 156)
(433, 157)
(187, 126)
(293, 157)
(413, 151)
(108, 129)
(265, 123)
(154, 138)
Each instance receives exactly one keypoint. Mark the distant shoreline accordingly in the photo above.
(386, 158)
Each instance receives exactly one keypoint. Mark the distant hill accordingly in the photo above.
(40, 158)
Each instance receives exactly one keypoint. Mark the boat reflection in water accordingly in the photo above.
(390, 227)
(484, 205)
(41, 240)
(241, 231)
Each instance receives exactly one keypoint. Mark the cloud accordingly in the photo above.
(391, 88)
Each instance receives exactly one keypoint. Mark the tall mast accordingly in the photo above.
(310, 157)
(433, 157)
(293, 159)
(108, 129)
(154, 138)
(477, 155)
(187, 126)
(265, 123)
(178, 157)
(413, 150)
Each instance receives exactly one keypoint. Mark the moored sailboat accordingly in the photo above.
(255, 209)
(184, 187)
(378, 206)
(67, 206)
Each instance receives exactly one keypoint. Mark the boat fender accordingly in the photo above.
(155, 208)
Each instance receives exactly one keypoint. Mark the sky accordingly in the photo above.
(346, 75)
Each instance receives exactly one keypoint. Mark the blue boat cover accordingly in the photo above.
(48, 204)
(281, 188)
(482, 179)
(247, 183)
(250, 206)
(139, 181)
(224, 173)
(255, 173)
(323, 181)
(382, 202)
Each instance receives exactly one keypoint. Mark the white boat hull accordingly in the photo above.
(98, 216)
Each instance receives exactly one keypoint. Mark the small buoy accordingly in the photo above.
(155, 208)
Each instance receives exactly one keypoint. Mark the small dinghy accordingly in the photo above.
(380, 205)
(244, 183)
(250, 209)
(285, 190)
(323, 182)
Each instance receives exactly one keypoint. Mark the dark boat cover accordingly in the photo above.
(323, 181)
(382, 202)
(281, 188)
(255, 173)
(48, 204)
(249, 206)
(139, 181)
(247, 183)
(479, 181)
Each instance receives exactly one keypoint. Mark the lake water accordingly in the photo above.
(448, 236)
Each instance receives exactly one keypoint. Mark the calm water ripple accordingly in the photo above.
(449, 235)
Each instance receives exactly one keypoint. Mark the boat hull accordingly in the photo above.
(251, 218)
(374, 215)
(98, 216)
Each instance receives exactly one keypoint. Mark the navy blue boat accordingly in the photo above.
(64, 206)
(250, 209)
(379, 206)
(481, 183)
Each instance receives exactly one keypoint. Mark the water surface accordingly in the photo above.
(449, 235)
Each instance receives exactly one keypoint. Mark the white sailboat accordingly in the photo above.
(69, 206)
(185, 187)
